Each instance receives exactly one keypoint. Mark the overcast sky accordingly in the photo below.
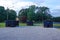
(54, 5)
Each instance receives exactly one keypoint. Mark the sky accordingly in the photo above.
(17, 5)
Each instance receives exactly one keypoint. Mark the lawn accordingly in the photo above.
(2, 25)
(38, 24)
(56, 25)
(21, 24)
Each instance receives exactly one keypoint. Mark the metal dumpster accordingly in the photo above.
(11, 23)
(29, 23)
(48, 23)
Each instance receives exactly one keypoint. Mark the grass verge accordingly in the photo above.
(2, 25)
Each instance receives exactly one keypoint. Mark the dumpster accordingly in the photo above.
(48, 23)
(29, 23)
(11, 23)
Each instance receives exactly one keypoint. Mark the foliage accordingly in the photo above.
(2, 14)
(11, 14)
(34, 13)
(56, 19)
(23, 15)
(7, 14)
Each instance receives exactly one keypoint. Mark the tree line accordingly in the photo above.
(32, 13)
(7, 14)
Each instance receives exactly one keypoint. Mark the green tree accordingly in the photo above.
(31, 13)
(11, 14)
(43, 13)
(7, 14)
(2, 14)
(34, 13)
(56, 19)
(23, 15)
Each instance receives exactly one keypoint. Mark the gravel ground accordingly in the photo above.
(29, 33)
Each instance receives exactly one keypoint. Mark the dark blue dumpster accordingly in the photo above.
(12, 23)
(48, 23)
(30, 23)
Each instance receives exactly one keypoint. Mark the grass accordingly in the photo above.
(2, 25)
(21, 24)
(57, 26)
(38, 24)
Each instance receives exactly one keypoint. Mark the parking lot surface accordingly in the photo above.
(29, 33)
